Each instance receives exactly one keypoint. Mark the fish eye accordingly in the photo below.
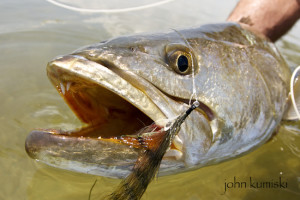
(181, 62)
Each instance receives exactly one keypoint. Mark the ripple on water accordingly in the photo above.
(291, 137)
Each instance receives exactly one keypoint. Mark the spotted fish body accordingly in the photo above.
(240, 79)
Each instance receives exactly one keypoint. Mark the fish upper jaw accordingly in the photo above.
(74, 73)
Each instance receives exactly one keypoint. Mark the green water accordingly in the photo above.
(32, 32)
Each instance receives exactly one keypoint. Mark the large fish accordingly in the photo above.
(120, 86)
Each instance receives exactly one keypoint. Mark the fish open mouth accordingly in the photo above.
(97, 96)
(106, 114)
(111, 107)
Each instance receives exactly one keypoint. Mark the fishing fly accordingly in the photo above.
(148, 162)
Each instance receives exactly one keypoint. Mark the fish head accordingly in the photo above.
(117, 88)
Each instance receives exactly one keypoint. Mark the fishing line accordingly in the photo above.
(194, 92)
(90, 193)
(150, 5)
(294, 76)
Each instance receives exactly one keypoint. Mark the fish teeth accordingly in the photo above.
(68, 85)
(62, 88)
(65, 88)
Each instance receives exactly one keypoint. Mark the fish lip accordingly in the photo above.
(94, 158)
